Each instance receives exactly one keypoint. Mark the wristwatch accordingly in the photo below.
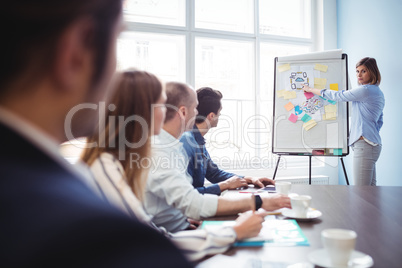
(258, 202)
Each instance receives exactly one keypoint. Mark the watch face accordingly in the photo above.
(258, 202)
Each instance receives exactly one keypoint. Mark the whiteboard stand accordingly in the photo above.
(276, 168)
(309, 169)
(344, 171)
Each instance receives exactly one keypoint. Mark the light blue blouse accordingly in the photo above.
(367, 110)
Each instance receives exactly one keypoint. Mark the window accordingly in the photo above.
(161, 54)
(285, 17)
(234, 16)
(166, 12)
(229, 46)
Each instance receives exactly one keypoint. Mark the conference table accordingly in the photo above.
(373, 212)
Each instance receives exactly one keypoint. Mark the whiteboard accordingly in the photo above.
(306, 124)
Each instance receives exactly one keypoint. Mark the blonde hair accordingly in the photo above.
(135, 93)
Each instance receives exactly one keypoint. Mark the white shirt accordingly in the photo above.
(109, 175)
(170, 196)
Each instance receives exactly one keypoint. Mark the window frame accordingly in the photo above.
(190, 32)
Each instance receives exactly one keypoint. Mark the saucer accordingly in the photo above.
(357, 259)
(311, 214)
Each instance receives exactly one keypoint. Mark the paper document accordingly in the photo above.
(273, 233)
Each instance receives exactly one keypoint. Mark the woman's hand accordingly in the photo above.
(307, 88)
(315, 91)
(249, 224)
(194, 224)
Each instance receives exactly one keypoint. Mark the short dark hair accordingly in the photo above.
(371, 65)
(209, 101)
(32, 29)
(177, 95)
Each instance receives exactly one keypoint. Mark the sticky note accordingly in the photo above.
(293, 118)
(320, 81)
(330, 108)
(290, 95)
(319, 86)
(289, 106)
(308, 95)
(284, 67)
(329, 116)
(318, 152)
(333, 86)
(309, 125)
(306, 118)
(320, 67)
(338, 151)
(280, 93)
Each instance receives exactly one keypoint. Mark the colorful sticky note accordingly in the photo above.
(319, 86)
(329, 116)
(280, 93)
(298, 110)
(309, 125)
(289, 106)
(320, 81)
(338, 151)
(308, 95)
(293, 118)
(306, 118)
(333, 86)
(290, 95)
(320, 67)
(284, 67)
(330, 108)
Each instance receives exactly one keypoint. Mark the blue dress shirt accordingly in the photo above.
(367, 110)
(200, 164)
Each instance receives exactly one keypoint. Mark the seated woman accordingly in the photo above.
(119, 155)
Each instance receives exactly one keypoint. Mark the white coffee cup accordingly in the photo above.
(339, 244)
(283, 187)
(300, 205)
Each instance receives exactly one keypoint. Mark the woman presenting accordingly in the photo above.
(367, 118)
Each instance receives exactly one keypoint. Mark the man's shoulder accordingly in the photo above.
(189, 141)
(51, 192)
(52, 213)
(55, 222)
(187, 135)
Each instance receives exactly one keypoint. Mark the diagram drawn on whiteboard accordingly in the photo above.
(304, 106)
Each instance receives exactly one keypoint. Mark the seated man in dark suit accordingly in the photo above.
(56, 55)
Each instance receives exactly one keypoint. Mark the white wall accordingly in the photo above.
(373, 28)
